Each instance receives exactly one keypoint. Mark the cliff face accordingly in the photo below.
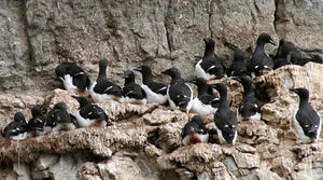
(144, 141)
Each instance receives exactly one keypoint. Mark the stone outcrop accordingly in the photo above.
(144, 142)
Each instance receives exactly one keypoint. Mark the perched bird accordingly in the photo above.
(238, 66)
(90, 114)
(155, 92)
(59, 119)
(37, 122)
(283, 54)
(205, 103)
(307, 121)
(299, 58)
(209, 67)
(194, 132)
(72, 76)
(250, 106)
(260, 59)
(180, 94)
(132, 92)
(225, 119)
(102, 89)
(18, 129)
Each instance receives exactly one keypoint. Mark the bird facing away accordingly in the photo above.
(102, 89)
(238, 66)
(282, 57)
(209, 67)
(260, 60)
(306, 120)
(194, 132)
(37, 122)
(132, 92)
(205, 103)
(225, 119)
(17, 129)
(89, 114)
(72, 76)
(156, 92)
(59, 119)
(250, 106)
(180, 94)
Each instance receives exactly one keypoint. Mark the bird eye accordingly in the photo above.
(307, 125)
(226, 126)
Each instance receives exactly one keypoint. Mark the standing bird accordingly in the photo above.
(90, 114)
(260, 60)
(155, 92)
(194, 132)
(180, 94)
(307, 121)
(225, 119)
(250, 106)
(72, 76)
(132, 92)
(205, 103)
(37, 122)
(59, 119)
(282, 57)
(18, 129)
(238, 66)
(103, 89)
(209, 67)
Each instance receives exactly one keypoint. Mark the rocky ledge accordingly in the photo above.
(144, 142)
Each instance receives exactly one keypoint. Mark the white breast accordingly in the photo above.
(153, 97)
(200, 73)
(100, 97)
(20, 136)
(202, 109)
(68, 82)
(83, 122)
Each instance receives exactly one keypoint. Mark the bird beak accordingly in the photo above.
(292, 90)
(271, 41)
(124, 76)
(138, 69)
(237, 78)
(165, 72)
(76, 97)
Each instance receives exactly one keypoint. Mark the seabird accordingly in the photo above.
(37, 122)
(180, 94)
(59, 119)
(156, 92)
(260, 59)
(250, 106)
(205, 103)
(209, 67)
(306, 120)
(132, 92)
(102, 89)
(194, 132)
(282, 57)
(299, 58)
(226, 122)
(238, 66)
(18, 129)
(72, 76)
(90, 114)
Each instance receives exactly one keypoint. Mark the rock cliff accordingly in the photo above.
(143, 142)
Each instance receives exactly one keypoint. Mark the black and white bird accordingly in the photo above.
(307, 121)
(72, 76)
(209, 67)
(260, 60)
(238, 66)
(132, 92)
(205, 103)
(18, 129)
(194, 132)
(226, 122)
(156, 92)
(89, 114)
(103, 89)
(37, 122)
(180, 94)
(250, 106)
(59, 119)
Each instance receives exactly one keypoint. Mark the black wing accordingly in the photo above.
(134, 91)
(93, 112)
(180, 93)
(14, 128)
(107, 87)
